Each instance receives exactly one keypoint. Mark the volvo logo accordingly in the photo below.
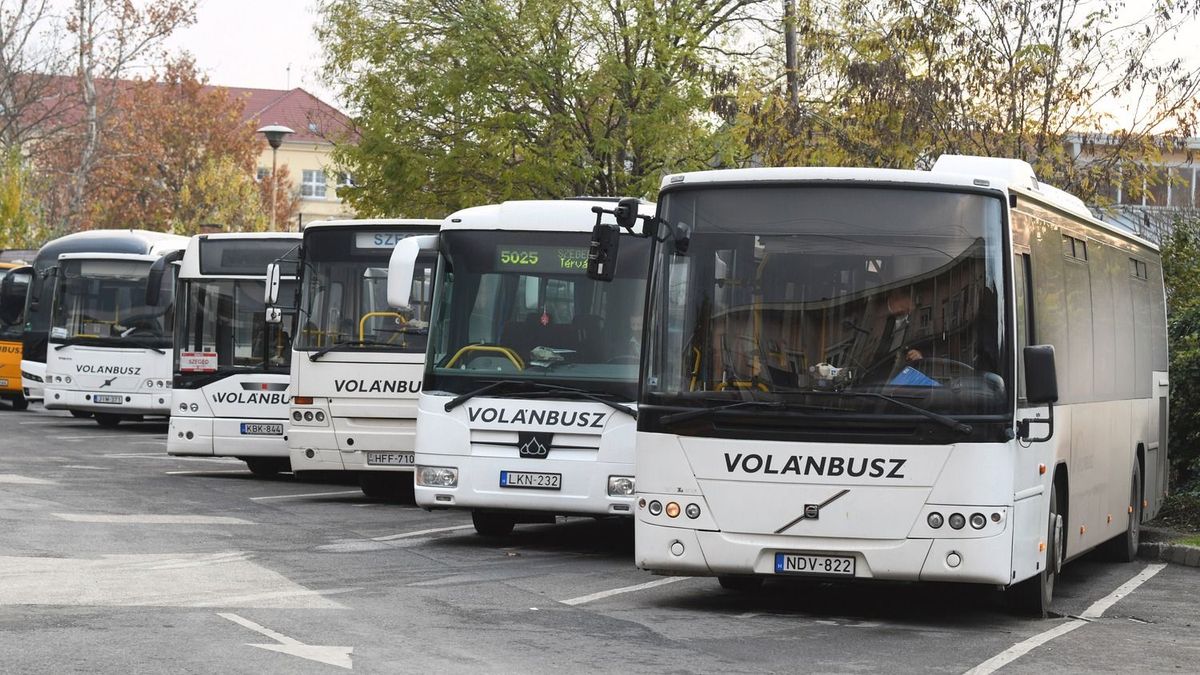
(108, 382)
(533, 445)
(812, 511)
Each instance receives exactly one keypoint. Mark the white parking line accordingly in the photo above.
(149, 519)
(420, 533)
(310, 494)
(1095, 611)
(583, 599)
(202, 472)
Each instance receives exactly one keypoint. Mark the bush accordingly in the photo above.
(1181, 274)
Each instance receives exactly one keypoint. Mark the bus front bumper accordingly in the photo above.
(692, 552)
(132, 403)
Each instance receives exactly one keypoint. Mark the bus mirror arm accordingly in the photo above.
(273, 315)
(1041, 388)
(157, 271)
(606, 238)
(1023, 426)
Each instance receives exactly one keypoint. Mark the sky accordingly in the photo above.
(252, 43)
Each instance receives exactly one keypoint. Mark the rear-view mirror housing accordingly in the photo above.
(1041, 379)
(271, 291)
(402, 268)
(602, 252)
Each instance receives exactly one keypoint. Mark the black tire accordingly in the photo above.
(267, 467)
(1124, 548)
(490, 524)
(1033, 595)
(739, 583)
(20, 403)
(81, 414)
(107, 420)
(389, 486)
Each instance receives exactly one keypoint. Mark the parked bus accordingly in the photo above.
(956, 375)
(109, 351)
(14, 284)
(35, 334)
(527, 408)
(230, 395)
(356, 366)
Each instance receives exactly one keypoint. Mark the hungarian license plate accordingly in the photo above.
(813, 563)
(3, 382)
(262, 429)
(391, 459)
(107, 398)
(526, 479)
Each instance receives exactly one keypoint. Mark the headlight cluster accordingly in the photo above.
(58, 379)
(184, 407)
(672, 509)
(620, 486)
(437, 476)
(158, 384)
(31, 377)
(314, 417)
(958, 521)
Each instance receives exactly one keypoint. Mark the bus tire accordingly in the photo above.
(266, 467)
(20, 403)
(1124, 548)
(491, 524)
(740, 583)
(1033, 595)
(80, 414)
(107, 420)
(387, 486)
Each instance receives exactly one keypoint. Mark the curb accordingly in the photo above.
(1179, 554)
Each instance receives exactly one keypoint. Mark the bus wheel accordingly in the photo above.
(492, 524)
(1125, 547)
(81, 414)
(20, 402)
(1033, 595)
(266, 467)
(744, 584)
(107, 420)
(387, 486)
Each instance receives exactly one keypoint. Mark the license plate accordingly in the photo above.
(812, 563)
(525, 479)
(262, 429)
(107, 398)
(3, 382)
(391, 459)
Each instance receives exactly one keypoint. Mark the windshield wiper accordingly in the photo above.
(106, 342)
(700, 412)
(948, 422)
(537, 390)
(346, 343)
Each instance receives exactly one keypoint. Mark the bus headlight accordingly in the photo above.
(655, 507)
(978, 521)
(437, 476)
(692, 511)
(182, 407)
(935, 520)
(957, 520)
(620, 486)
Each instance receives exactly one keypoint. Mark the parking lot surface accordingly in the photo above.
(115, 557)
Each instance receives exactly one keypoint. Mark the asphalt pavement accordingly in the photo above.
(116, 558)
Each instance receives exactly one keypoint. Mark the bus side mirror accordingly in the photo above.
(1041, 388)
(626, 212)
(274, 315)
(271, 292)
(602, 252)
(35, 293)
(402, 267)
(155, 277)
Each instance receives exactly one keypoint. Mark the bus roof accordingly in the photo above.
(274, 245)
(141, 242)
(432, 224)
(963, 171)
(550, 215)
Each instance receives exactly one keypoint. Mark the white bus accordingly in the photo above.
(956, 375)
(109, 351)
(531, 376)
(356, 362)
(231, 375)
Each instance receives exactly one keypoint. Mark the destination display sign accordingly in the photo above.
(545, 259)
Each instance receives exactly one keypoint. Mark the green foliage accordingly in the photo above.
(222, 193)
(1182, 276)
(20, 225)
(462, 103)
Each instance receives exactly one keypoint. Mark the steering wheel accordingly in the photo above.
(938, 361)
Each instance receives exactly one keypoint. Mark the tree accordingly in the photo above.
(20, 224)
(159, 157)
(34, 92)
(1182, 278)
(221, 191)
(892, 83)
(492, 100)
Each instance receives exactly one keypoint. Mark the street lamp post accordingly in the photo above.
(275, 134)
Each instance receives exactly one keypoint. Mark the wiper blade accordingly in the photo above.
(345, 343)
(701, 412)
(537, 390)
(948, 422)
(106, 342)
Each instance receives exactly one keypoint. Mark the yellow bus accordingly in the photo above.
(14, 279)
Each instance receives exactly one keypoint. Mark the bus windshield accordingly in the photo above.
(511, 310)
(104, 301)
(14, 285)
(226, 317)
(343, 293)
(836, 299)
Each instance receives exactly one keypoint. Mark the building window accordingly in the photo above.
(1074, 248)
(262, 174)
(345, 179)
(1182, 186)
(1138, 269)
(313, 184)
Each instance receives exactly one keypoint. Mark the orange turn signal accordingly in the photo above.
(302, 400)
(672, 510)
(1041, 469)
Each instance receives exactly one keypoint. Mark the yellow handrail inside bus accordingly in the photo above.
(496, 349)
(362, 323)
